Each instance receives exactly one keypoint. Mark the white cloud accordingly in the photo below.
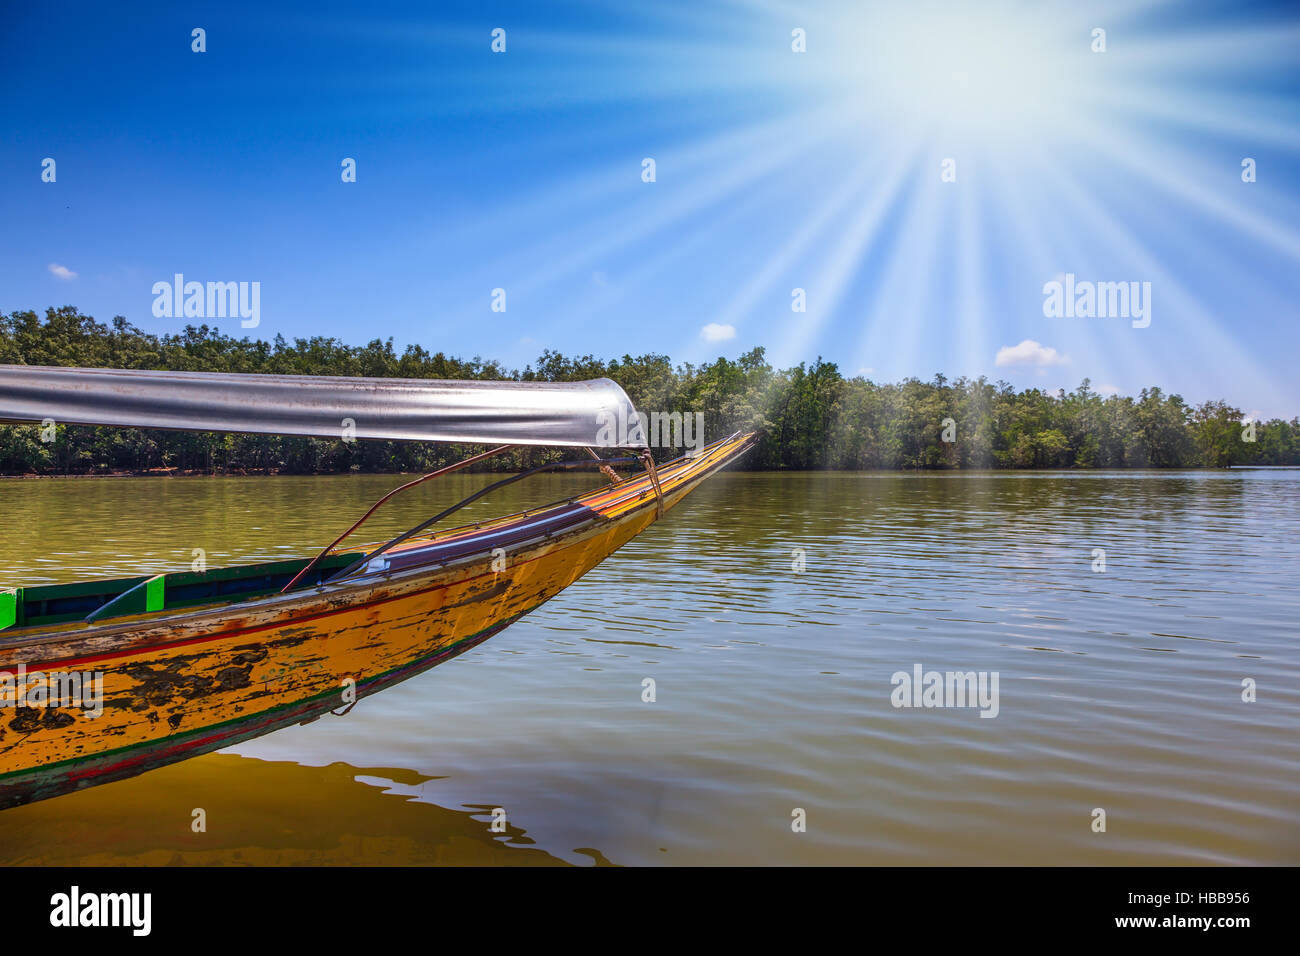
(1107, 390)
(1030, 352)
(63, 272)
(713, 332)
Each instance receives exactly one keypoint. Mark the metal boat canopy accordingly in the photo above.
(595, 413)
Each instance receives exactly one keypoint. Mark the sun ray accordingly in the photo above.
(553, 256)
(973, 295)
(915, 301)
(688, 241)
(1166, 173)
(1199, 330)
(741, 307)
(1260, 120)
(829, 285)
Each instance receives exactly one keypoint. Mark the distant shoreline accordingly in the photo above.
(808, 417)
(986, 472)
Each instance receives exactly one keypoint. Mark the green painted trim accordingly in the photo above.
(11, 603)
(46, 604)
(144, 597)
(76, 589)
(155, 591)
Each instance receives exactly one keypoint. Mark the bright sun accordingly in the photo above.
(984, 72)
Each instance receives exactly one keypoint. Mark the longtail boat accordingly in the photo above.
(193, 661)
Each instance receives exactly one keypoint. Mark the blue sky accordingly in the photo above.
(775, 170)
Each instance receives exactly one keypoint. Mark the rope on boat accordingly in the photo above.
(554, 466)
(346, 710)
(608, 472)
(375, 507)
(648, 460)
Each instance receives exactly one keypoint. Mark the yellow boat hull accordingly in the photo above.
(177, 684)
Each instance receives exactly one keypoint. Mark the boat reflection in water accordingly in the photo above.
(223, 809)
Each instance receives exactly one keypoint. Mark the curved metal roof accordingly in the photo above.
(596, 413)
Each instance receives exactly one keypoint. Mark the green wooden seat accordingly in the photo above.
(149, 595)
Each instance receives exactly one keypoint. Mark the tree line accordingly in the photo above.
(809, 417)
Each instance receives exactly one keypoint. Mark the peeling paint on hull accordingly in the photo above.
(182, 683)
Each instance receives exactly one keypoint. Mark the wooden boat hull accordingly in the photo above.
(180, 684)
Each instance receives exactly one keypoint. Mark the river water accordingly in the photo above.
(772, 613)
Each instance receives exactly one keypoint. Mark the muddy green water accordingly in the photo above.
(1118, 690)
